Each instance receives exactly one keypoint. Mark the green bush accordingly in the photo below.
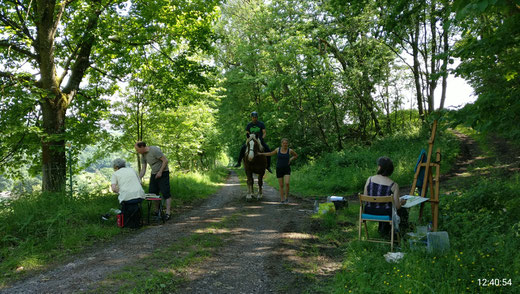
(345, 172)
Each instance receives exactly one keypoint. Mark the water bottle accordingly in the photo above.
(429, 227)
(316, 206)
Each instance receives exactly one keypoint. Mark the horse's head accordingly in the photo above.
(253, 147)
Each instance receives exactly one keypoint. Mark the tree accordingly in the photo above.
(421, 30)
(489, 51)
(310, 68)
(49, 47)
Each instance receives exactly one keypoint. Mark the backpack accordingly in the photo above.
(130, 216)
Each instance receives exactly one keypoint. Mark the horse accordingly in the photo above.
(254, 163)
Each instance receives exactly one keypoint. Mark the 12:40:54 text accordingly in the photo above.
(494, 282)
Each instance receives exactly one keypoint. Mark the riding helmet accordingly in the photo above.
(254, 114)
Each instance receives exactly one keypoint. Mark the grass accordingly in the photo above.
(484, 244)
(39, 229)
(484, 228)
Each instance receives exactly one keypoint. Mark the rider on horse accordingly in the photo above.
(258, 128)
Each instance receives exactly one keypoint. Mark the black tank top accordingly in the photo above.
(283, 158)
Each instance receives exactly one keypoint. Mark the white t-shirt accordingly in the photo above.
(128, 182)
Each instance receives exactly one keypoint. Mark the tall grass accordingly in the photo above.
(37, 229)
(345, 172)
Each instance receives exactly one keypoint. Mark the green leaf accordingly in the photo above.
(482, 5)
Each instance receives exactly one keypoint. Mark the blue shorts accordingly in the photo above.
(283, 171)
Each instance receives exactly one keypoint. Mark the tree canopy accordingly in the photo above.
(63, 59)
(185, 75)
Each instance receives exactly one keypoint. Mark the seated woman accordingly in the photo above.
(381, 185)
(127, 183)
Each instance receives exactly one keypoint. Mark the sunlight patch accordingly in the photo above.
(298, 236)
(212, 231)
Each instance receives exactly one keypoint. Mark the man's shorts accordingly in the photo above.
(283, 171)
(161, 185)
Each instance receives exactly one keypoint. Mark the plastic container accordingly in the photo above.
(115, 211)
(422, 230)
(437, 241)
(417, 241)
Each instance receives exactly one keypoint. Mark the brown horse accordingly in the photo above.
(254, 164)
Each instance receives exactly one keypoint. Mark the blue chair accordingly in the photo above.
(364, 218)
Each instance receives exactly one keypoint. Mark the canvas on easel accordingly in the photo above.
(424, 178)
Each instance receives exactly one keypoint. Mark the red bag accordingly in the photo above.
(120, 221)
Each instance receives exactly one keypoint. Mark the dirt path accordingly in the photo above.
(250, 262)
(498, 158)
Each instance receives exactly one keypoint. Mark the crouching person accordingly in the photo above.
(126, 182)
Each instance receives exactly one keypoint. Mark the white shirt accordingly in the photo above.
(129, 185)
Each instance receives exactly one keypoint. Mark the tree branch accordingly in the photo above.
(106, 73)
(20, 30)
(23, 20)
(62, 5)
(18, 77)
(82, 62)
(15, 47)
(66, 67)
(127, 42)
(336, 53)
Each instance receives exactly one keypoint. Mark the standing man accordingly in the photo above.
(258, 128)
(160, 178)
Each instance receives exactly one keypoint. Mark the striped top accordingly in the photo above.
(375, 189)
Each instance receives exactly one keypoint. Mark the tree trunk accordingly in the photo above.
(433, 61)
(444, 67)
(416, 71)
(54, 160)
(336, 124)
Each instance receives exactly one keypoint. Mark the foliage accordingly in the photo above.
(79, 52)
(310, 70)
(489, 51)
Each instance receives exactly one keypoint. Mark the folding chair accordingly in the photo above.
(364, 217)
(151, 198)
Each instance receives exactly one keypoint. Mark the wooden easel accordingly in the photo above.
(428, 178)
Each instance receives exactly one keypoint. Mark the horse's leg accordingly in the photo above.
(252, 184)
(249, 184)
(260, 183)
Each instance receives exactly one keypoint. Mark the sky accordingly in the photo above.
(458, 93)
